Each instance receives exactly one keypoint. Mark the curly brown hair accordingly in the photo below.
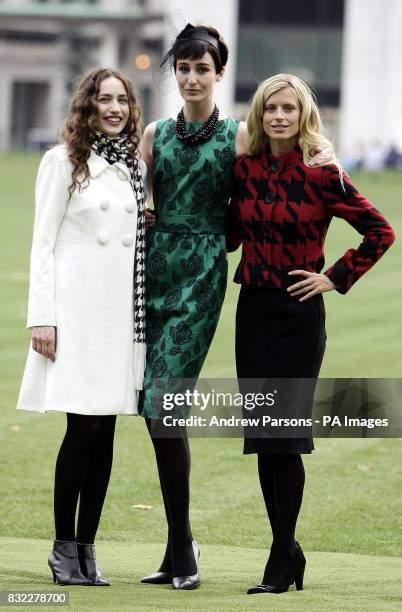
(80, 125)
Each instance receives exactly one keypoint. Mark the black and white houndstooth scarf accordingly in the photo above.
(116, 150)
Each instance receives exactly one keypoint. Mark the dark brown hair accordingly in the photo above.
(194, 49)
(80, 125)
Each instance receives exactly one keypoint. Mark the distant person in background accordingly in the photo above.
(280, 212)
(86, 300)
(373, 157)
(393, 159)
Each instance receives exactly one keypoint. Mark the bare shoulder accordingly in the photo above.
(149, 131)
(242, 130)
(147, 142)
(243, 127)
(143, 168)
(242, 147)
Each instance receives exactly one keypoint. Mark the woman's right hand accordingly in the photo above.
(149, 218)
(44, 341)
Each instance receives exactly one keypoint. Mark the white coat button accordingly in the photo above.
(122, 175)
(127, 240)
(103, 237)
(130, 207)
(105, 205)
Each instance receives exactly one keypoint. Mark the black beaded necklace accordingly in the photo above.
(202, 135)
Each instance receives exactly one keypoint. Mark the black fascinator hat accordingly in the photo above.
(191, 43)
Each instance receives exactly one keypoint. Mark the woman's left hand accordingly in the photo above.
(320, 157)
(150, 218)
(312, 285)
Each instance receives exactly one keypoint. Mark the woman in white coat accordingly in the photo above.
(86, 304)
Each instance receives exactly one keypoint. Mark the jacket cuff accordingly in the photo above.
(47, 320)
(339, 275)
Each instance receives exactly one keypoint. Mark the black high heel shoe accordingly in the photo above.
(64, 564)
(189, 582)
(294, 573)
(88, 565)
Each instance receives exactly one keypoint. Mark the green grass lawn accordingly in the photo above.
(351, 517)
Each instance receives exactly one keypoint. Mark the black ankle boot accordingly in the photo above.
(63, 561)
(88, 565)
(292, 571)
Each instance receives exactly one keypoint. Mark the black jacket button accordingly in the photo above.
(275, 166)
(270, 197)
(267, 231)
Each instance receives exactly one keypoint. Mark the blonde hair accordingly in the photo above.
(310, 137)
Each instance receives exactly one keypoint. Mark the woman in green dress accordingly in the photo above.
(190, 162)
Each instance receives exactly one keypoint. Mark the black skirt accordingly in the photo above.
(278, 337)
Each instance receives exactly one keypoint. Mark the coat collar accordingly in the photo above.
(286, 161)
(97, 165)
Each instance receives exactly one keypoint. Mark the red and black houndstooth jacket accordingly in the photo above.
(280, 212)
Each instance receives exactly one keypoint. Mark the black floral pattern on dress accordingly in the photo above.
(172, 298)
(221, 261)
(181, 334)
(188, 156)
(159, 367)
(154, 332)
(205, 296)
(157, 264)
(194, 265)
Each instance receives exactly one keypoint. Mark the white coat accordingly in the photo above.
(81, 282)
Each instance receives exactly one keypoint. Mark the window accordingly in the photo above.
(66, 1)
(292, 12)
(314, 54)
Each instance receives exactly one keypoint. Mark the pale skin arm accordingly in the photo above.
(242, 140)
(44, 341)
(146, 154)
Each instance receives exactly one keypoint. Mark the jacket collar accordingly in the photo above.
(97, 165)
(286, 161)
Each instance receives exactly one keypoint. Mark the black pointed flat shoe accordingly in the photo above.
(158, 578)
(262, 588)
(188, 583)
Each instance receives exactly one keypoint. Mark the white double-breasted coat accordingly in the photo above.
(81, 282)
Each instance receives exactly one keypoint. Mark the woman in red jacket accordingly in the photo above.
(280, 213)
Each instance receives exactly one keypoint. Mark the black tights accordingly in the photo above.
(174, 462)
(83, 469)
(282, 483)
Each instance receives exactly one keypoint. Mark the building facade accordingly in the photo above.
(348, 51)
(46, 45)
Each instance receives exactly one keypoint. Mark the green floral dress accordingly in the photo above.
(186, 255)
